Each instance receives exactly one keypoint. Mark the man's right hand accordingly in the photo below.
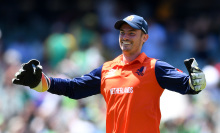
(30, 74)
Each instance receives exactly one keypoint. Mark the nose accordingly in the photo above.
(125, 37)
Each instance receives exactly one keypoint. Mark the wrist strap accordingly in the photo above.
(44, 84)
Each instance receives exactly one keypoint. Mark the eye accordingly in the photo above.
(122, 33)
(132, 33)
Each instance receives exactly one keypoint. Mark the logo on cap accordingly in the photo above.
(130, 18)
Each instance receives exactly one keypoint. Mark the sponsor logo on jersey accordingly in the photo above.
(110, 73)
(141, 71)
(121, 90)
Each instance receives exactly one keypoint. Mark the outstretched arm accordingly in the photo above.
(31, 75)
(87, 85)
(173, 79)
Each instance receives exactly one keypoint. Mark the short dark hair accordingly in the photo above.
(142, 33)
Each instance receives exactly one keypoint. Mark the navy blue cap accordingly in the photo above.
(135, 22)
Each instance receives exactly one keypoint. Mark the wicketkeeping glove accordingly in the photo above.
(31, 75)
(197, 79)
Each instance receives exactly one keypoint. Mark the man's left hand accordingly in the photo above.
(197, 79)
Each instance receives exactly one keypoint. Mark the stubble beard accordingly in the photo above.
(126, 47)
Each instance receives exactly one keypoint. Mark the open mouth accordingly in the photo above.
(126, 43)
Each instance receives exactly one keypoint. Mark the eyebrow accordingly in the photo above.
(129, 30)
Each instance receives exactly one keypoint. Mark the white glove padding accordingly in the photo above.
(197, 80)
(44, 84)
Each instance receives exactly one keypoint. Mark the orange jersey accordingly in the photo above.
(132, 95)
(131, 91)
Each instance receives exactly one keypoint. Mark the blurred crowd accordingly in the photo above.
(71, 38)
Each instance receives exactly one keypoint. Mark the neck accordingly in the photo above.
(128, 58)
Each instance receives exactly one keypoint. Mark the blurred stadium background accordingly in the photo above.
(72, 37)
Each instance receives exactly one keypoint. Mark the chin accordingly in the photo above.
(125, 50)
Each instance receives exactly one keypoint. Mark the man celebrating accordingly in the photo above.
(131, 84)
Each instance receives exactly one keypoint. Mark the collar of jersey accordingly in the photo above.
(140, 59)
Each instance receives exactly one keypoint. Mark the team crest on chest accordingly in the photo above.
(141, 71)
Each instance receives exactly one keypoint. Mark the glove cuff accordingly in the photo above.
(190, 83)
(44, 84)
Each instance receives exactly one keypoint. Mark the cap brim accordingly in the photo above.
(119, 23)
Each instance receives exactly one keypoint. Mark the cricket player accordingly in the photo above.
(131, 84)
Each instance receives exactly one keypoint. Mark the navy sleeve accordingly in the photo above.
(87, 85)
(172, 79)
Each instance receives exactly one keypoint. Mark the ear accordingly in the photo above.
(145, 38)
